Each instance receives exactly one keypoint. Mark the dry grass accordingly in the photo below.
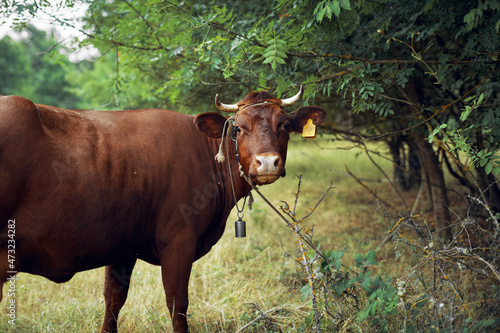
(239, 278)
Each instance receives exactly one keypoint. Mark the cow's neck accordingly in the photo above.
(226, 199)
(234, 185)
(238, 186)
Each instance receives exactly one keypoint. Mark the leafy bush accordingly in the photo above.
(452, 287)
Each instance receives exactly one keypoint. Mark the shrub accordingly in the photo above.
(452, 287)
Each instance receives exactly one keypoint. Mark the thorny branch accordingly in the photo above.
(307, 239)
(262, 315)
(368, 189)
(493, 217)
(303, 238)
(386, 177)
(436, 272)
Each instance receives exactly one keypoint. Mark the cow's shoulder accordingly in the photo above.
(17, 107)
(19, 115)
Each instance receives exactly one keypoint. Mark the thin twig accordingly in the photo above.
(368, 189)
(298, 193)
(262, 315)
(493, 269)
(495, 221)
(302, 239)
(386, 177)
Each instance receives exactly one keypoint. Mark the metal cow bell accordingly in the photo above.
(240, 228)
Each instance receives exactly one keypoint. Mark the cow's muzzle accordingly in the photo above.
(268, 168)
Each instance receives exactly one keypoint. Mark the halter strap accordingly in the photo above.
(252, 105)
(225, 131)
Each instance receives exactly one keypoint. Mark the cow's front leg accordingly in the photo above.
(176, 265)
(116, 284)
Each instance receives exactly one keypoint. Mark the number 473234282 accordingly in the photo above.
(11, 248)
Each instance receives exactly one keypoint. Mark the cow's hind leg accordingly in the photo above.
(116, 284)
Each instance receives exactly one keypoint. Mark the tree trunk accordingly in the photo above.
(415, 176)
(398, 164)
(407, 173)
(430, 163)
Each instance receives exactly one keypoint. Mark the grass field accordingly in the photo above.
(240, 278)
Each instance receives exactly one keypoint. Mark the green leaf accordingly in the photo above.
(345, 4)
(370, 255)
(488, 322)
(305, 291)
(366, 284)
(362, 315)
(359, 259)
(308, 321)
(335, 6)
(488, 168)
(465, 114)
(480, 99)
(354, 280)
(262, 80)
(374, 295)
(268, 53)
(280, 61)
(469, 18)
(339, 289)
(280, 54)
(275, 53)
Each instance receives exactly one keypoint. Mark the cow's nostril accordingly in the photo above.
(267, 164)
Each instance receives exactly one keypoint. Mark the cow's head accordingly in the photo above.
(261, 129)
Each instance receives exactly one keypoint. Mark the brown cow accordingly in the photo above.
(85, 189)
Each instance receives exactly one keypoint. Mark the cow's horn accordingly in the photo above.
(292, 100)
(225, 107)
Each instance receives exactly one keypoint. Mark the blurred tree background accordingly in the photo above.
(34, 67)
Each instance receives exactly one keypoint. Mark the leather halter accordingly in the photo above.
(252, 105)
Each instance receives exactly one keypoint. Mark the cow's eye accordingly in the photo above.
(286, 126)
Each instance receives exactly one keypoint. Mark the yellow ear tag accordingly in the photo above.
(309, 130)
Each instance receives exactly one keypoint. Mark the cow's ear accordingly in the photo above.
(211, 124)
(300, 118)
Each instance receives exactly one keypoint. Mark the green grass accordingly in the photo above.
(260, 269)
